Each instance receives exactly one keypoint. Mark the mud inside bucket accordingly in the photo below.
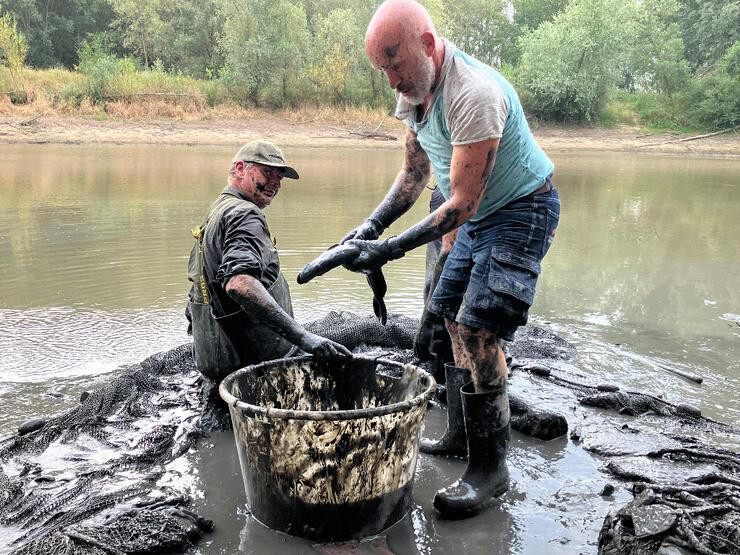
(328, 453)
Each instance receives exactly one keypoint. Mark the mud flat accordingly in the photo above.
(634, 473)
(54, 129)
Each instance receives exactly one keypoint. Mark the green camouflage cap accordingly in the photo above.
(266, 153)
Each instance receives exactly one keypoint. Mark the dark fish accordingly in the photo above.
(376, 281)
(339, 255)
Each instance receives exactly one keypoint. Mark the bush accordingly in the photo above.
(104, 72)
(568, 64)
(714, 100)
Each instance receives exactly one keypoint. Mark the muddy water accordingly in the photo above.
(643, 274)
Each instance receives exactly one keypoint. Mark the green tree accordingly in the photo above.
(265, 44)
(709, 28)
(568, 64)
(13, 49)
(193, 33)
(655, 56)
(480, 28)
(714, 100)
(55, 28)
(337, 46)
(142, 24)
(530, 14)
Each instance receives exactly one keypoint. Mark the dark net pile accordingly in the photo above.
(96, 479)
(90, 480)
(87, 481)
(699, 513)
(686, 491)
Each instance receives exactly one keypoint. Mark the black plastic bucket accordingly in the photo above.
(328, 453)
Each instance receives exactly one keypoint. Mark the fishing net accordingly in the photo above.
(88, 481)
(94, 479)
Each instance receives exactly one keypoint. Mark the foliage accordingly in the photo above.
(337, 42)
(13, 49)
(661, 62)
(262, 59)
(655, 60)
(715, 99)
(193, 33)
(569, 64)
(479, 27)
(142, 24)
(55, 29)
(530, 14)
(101, 70)
(709, 28)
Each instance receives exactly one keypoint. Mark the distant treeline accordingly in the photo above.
(670, 62)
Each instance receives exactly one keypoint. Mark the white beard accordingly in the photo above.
(422, 83)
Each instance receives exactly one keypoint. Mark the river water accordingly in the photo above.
(643, 273)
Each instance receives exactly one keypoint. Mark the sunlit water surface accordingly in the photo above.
(94, 244)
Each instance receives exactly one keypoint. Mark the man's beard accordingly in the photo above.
(423, 82)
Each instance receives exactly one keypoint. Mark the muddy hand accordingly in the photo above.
(322, 348)
(372, 255)
(369, 229)
(337, 255)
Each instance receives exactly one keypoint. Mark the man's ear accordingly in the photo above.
(428, 42)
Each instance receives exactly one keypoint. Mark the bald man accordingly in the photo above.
(465, 123)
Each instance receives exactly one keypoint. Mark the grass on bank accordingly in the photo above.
(129, 94)
(110, 87)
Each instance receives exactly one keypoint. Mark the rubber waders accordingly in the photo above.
(486, 477)
(452, 443)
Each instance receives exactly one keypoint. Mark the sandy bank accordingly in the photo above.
(80, 130)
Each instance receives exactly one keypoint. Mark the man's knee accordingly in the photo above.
(452, 327)
(478, 336)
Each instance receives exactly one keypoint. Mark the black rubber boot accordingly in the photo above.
(486, 477)
(453, 443)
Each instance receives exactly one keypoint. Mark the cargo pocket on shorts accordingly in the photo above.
(513, 274)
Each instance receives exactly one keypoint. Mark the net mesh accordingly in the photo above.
(89, 481)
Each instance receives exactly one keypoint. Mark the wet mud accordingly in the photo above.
(617, 482)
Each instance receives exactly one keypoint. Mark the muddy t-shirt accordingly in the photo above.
(474, 103)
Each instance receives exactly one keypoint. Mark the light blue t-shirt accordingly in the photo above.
(472, 103)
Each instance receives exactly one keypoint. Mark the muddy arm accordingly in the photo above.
(470, 169)
(261, 307)
(404, 192)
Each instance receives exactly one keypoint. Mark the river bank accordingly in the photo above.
(313, 130)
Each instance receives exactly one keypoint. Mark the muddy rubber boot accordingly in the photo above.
(452, 443)
(486, 477)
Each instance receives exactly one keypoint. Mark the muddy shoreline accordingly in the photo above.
(53, 129)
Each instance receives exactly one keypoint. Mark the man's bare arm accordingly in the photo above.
(404, 192)
(471, 167)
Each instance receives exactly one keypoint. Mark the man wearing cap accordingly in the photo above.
(240, 304)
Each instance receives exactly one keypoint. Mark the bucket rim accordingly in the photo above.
(289, 414)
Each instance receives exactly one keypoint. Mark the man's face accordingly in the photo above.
(409, 69)
(260, 183)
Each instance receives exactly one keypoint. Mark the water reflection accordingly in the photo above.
(94, 244)
(645, 257)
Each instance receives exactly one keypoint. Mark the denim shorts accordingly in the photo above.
(489, 278)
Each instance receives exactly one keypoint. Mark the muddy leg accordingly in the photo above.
(487, 424)
(459, 352)
(485, 354)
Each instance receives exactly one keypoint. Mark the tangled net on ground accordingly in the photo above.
(699, 514)
(63, 480)
(93, 480)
